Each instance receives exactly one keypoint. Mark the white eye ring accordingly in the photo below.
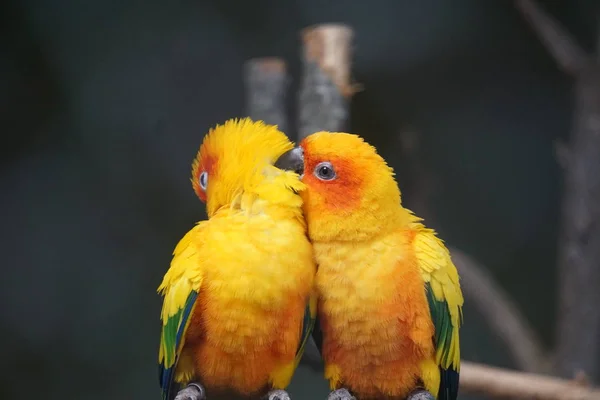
(324, 171)
(203, 180)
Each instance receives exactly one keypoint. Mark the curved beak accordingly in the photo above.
(292, 160)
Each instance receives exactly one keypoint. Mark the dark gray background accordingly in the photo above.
(104, 104)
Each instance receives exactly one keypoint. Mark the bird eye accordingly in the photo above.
(203, 180)
(324, 171)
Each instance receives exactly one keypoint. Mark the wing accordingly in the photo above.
(180, 287)
(445, 303)
(308, 324)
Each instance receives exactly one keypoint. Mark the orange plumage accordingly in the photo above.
(238, 302)
(376, 322)
(389, 296)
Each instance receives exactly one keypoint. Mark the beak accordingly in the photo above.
(292, 160)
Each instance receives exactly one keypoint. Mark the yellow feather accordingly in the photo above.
(250, 262)
(282, 376)
(333, 374)
(430, 373)
(184, 275)
(438, 269)
(185, 368)
(378, 332)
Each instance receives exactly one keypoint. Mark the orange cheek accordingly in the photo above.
(338, 196)
(208, 164)
(201, 194)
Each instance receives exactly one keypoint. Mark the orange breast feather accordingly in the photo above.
(247, 323)
(375, 317)
(242, 358)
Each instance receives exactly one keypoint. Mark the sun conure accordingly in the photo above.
(390, 303)
(238, 296)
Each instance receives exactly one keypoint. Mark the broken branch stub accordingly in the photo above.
(325, 87)
(266, 84)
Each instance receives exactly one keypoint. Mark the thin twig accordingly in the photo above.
(479, 287)
(578, 325)
(500, 312)
(503, 383)
(571, 58)
(578, 328)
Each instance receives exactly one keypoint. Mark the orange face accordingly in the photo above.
(335, 182)
(203, 169)
(231, 156)
(350, 189)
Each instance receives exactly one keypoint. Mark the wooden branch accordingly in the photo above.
(579, 244)
(503, 383)
(578, 333)
(325, 86)
(266, 83)
(570, 57)
(500, 312)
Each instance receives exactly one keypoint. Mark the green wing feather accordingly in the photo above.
(171, 342)
(443, 339)
(445, 303)
(180, 288)
(308, 324)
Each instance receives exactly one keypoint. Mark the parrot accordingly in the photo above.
(389, 296)
(238, 297)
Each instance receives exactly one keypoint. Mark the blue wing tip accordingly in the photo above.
(449, 385)
(164, 379)
(165, 375)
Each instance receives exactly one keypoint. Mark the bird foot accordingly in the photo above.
(341, 394)
(277, 395)
(193, 391)
(420, 394)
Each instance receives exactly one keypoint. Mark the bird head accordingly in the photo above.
(351, 193)
(236, 158)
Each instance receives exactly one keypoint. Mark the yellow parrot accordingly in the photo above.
(390, 302)
(239, 300)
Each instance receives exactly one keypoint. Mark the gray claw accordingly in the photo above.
(193, 391)
(278, 395)
(420, 394)
(341, 394)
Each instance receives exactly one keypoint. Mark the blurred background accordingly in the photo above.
(104, 105)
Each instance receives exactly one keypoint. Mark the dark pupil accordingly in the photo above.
(324, 171)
